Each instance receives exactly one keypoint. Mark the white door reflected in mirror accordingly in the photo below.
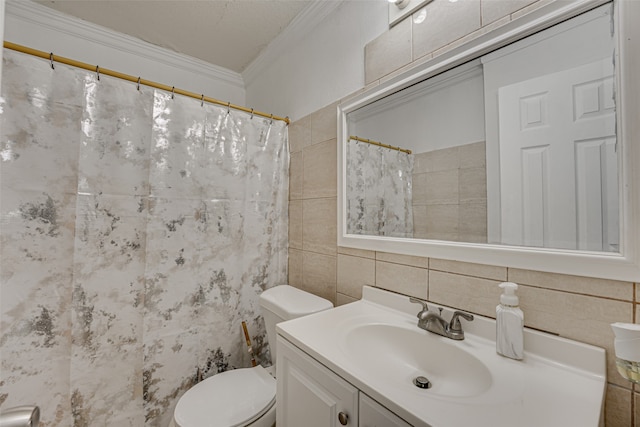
(559, 168)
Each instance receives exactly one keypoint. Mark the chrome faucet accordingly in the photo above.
(434, 322)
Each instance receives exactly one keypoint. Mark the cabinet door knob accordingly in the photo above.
(343, 418)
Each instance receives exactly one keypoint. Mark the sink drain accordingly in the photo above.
(422, 382)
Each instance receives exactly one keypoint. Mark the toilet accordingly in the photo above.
(246, 396)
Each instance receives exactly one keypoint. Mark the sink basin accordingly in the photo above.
(376, 346)
(400, 354)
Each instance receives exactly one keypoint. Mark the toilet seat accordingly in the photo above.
(232, 398)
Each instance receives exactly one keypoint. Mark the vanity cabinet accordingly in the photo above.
(373, 414)
(360, 359)
(311, 395)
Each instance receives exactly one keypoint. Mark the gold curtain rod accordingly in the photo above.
(62, 60)
(380, 144)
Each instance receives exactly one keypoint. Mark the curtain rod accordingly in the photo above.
(140, 81)
(380, 144)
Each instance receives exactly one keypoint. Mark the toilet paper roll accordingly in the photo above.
(627, 349)
(626, 330)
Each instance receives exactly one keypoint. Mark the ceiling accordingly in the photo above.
(227, 33)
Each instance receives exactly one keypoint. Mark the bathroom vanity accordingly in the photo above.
(357, 365)
(315, 395)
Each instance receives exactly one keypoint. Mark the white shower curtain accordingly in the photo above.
(137, 232)
(379, 191)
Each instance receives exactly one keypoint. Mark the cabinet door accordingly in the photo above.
(373, 414)
(309, 394)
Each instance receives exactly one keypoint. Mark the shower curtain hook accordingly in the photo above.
(173, 92)
(251, 118)
(51, 60)
(271, 122)
(229, 108)
(287, 120)
(138, 83)
(98, 72)
(202, 101)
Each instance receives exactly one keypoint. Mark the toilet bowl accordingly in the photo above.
(241, 397)
(246, 397)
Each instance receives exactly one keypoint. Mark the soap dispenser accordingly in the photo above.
(509, 323)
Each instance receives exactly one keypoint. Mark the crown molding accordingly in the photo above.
(28, 11)
(299, 27)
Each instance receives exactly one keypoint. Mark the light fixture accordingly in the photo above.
(401, 9)
(418, 18)
(400, 3)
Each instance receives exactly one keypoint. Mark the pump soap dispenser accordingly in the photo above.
(509, 323)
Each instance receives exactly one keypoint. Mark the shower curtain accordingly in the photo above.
(378, 186)
(137, 232)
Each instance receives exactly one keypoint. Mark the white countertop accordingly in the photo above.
(559, 383)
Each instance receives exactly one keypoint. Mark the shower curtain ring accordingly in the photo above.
(173, 92)
(271, 122)
(138, 83)
(229, 108)
(251, 118)
(98, 72)
(202, 101)
(286, 119)
(51, 60)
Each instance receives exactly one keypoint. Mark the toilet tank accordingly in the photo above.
(285, 302)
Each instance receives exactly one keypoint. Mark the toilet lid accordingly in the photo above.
(231, 398)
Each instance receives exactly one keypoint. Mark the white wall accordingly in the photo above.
(42, 28)
(320, 67)
(442, 112)
(317, 67)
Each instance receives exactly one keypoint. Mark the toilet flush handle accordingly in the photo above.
(20, 416)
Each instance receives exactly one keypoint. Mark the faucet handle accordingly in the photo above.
(454, 325)
(418, 301)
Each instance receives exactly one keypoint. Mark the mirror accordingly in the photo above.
(514, 147)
